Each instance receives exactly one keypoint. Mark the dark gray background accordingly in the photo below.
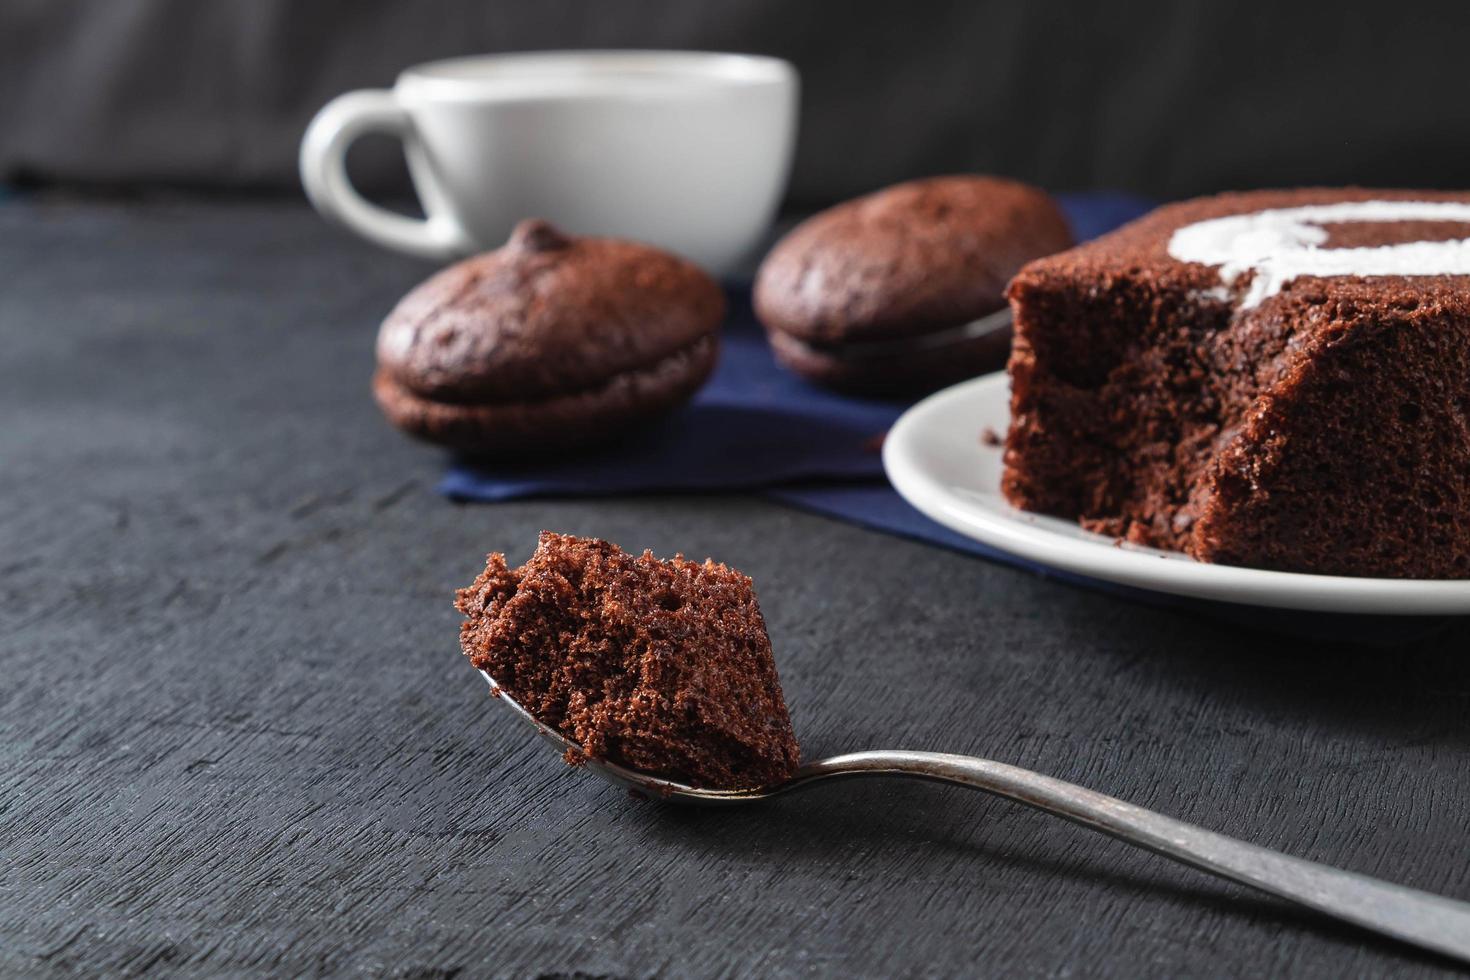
(237, 736)
(1164, 98)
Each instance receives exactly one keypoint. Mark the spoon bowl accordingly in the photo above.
(643, 784)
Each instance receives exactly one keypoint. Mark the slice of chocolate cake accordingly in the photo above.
(1273, 379)
(659, 666)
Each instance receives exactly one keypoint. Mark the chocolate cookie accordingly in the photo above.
(903, 290)
(549, 343)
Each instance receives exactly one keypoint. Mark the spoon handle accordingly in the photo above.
(1416, 917)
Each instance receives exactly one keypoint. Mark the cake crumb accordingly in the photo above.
(989, 437)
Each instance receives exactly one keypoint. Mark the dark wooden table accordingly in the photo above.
(237, 736)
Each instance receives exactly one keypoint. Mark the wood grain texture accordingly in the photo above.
(236, 735)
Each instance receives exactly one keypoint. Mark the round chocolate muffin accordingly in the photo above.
(549, 343)
(903, 290)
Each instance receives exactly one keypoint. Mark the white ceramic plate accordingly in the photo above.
(936, 459)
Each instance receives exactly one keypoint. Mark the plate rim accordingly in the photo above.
(1103, 559)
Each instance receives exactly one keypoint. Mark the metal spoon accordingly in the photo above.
(1416, 917)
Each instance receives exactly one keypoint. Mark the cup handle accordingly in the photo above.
(324, 175)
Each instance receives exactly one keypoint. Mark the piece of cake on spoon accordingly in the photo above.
(663, 667)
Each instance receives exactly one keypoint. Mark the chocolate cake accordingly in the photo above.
(659, 666)
(1271, 379)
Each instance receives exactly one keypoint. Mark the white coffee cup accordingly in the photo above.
(689, 151)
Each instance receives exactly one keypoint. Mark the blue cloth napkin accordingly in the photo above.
(756, 427)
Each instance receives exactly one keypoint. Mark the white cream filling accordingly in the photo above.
(1280, 244)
